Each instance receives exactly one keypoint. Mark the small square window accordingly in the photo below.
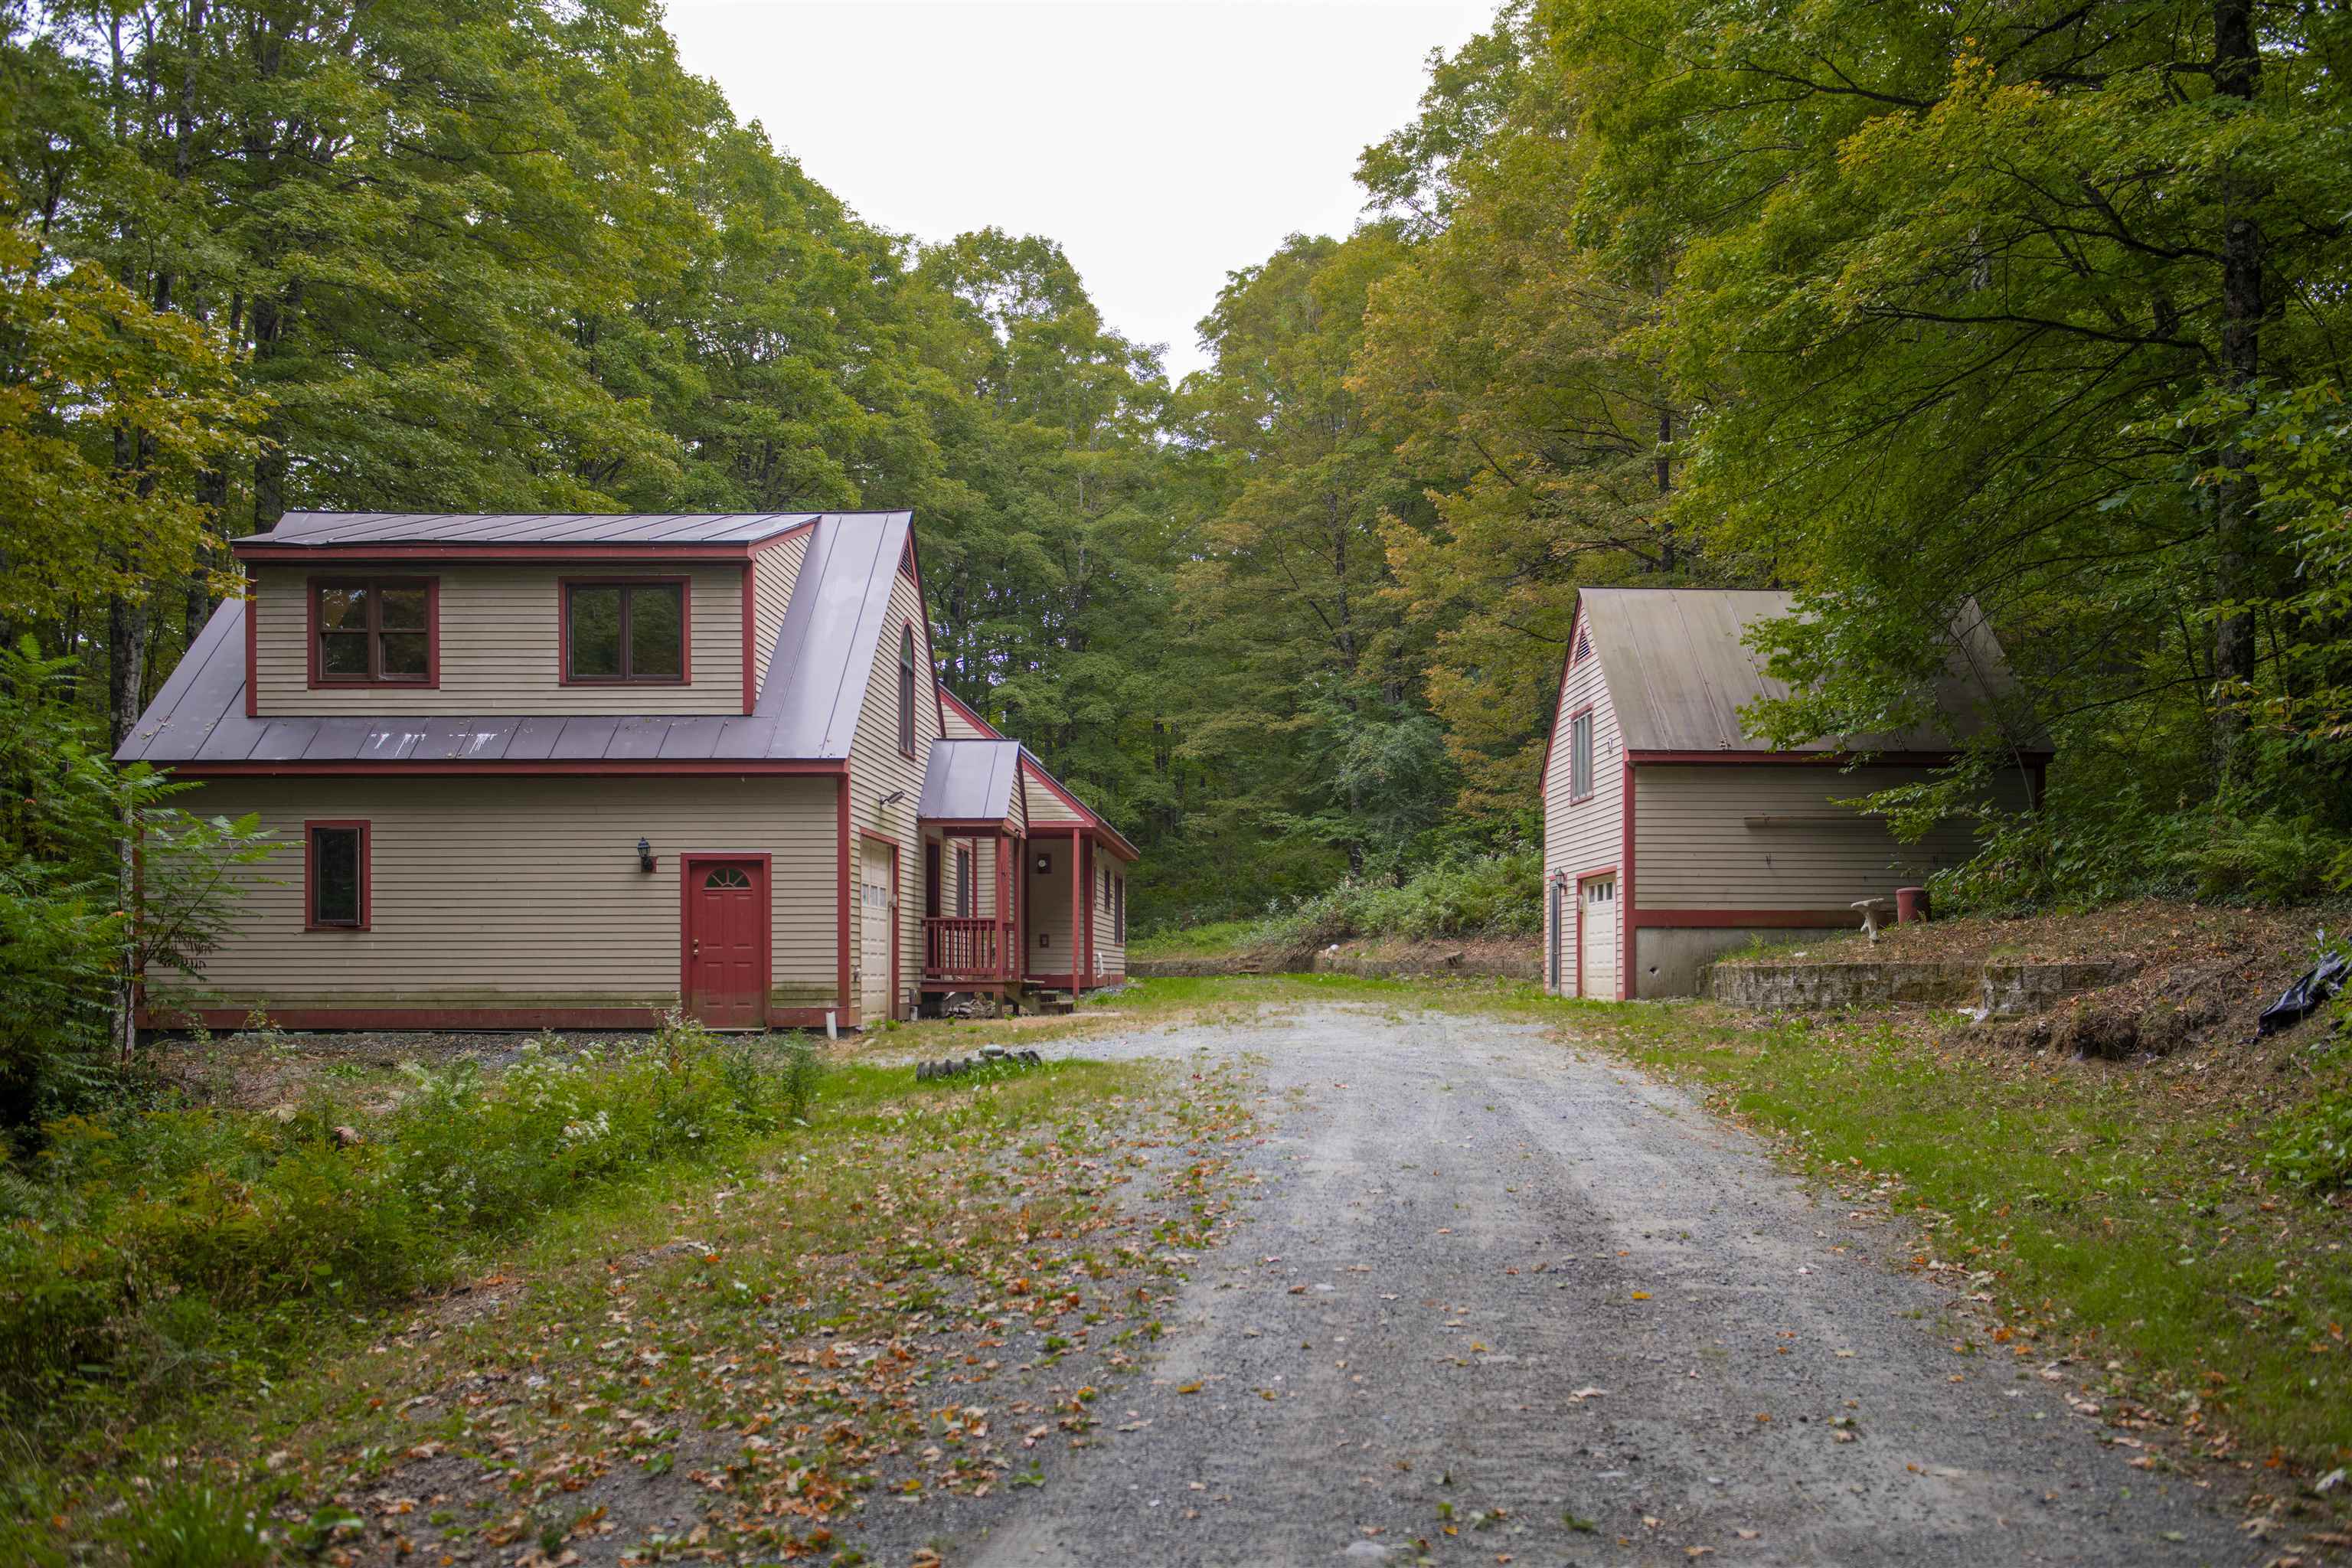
(373, 631)
(625, 632)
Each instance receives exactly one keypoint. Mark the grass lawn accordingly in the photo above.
(735, 1353)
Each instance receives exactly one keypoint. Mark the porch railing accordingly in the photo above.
(963, 947)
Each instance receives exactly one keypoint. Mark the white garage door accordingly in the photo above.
(877, 908)
(1597, 964)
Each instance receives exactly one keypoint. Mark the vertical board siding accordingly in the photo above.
(877, 767)
(1694, 847)
(1586, 835)
(774, 571)
(498, 629)
(517, 892)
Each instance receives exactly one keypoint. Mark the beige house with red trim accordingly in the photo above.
(1672, 835)
(575, 771)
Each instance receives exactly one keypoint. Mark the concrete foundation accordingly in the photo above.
(1674, 960)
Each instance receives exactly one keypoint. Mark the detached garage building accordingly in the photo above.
(1672, 835)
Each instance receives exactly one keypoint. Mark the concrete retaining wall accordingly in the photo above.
(1998, 987)
(1806, 987)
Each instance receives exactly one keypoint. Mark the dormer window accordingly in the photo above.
(374, 631)
(625, 632)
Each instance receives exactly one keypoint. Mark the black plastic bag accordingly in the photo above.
(2306, 995)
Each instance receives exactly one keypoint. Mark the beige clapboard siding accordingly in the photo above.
(499, 646)
(1588, 835)
(1045, 806)
(961, 728)
(519, 891)
(774, 571)
(1694, 849)
(1049, 915)
(877, 767)
(1110, 953)
(984, 874)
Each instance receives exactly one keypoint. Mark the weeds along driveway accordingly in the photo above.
(1500, 1301)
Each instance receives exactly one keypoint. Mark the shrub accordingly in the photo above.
(1487, 895)
(144, 1227)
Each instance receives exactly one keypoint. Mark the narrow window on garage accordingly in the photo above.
(1118, 911)
(1580, 756)
(906, 689)
(335, 876)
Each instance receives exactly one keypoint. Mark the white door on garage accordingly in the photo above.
(1597, 960)
(877, 912)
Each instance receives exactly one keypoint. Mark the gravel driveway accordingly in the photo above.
(1495, 1281)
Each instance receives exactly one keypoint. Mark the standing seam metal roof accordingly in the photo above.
(343, 530)
(969, 780)
(806, 709)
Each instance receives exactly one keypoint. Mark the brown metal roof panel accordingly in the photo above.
(222, 637)
(584, 740)
(638, 738)
(344, 741)
(389, 740)
(441, 739)
(230, 738)
(283, 739)
(533, 739)
(744, 737)
(691, 738)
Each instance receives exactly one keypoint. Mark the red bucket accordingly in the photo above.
(1910, 906)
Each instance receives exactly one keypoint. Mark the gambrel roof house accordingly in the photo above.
(574, 771)
(1672, 834)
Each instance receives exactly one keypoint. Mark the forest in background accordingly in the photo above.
(2042, 305)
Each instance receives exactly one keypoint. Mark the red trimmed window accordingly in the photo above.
(1118, 911)
(906, 689)
(1579, 755)
(625, 633)
(335, 876)
(376, 631)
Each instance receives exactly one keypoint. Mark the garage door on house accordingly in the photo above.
(1596, 971)
(878, 903)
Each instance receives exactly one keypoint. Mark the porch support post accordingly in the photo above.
(1004, 852)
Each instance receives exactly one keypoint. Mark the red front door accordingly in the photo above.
(727, 941)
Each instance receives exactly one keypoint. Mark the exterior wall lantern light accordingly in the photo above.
(1044, 864)
(644, 856)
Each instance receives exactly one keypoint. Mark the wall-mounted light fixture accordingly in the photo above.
(644, 856)
(1044, 864)
(893, 798)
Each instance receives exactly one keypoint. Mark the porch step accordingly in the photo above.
(1052, 1002)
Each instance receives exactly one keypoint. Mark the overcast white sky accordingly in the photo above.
(1164, 142)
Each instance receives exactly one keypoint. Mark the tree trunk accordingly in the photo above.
(2237, 66)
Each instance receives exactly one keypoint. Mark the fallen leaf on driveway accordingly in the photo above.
(1641, 1295)
(1588, 1394)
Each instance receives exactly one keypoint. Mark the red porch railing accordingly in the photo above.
(963, 947)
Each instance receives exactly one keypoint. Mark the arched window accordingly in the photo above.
(906, 689)
(727, 877)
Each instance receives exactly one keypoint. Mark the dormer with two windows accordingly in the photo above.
(377, 615)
